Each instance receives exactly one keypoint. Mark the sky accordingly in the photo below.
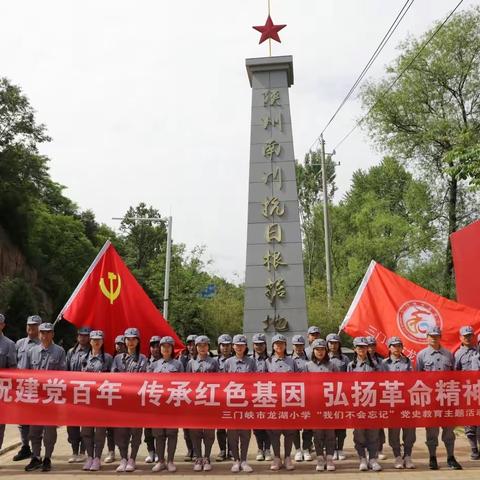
(149, 100)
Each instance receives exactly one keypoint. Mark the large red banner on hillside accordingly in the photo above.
(249, 400)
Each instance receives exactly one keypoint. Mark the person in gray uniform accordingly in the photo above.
(313, 333)
(23, 346)
(45, 356)
(132, 361)
(397, 362)
(240, 363)
(147, 432)
(465, 360)
(93, 438)
(202, 363)
(110, 458)
(300, 358)
(8, 359)
(280, 362)
(341, 361)
(75, 357)
(435, 358)
(365, 440)
(166, 437)
(260, 356)
(224, 352)
(324, 439)
(185, 357)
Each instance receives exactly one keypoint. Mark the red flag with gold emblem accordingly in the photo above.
(109, 298)
(388, 305)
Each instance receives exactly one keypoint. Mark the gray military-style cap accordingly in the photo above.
(240, 339)
(371, 340)
(259, 338)
(224, 338)
(313, 329)
(46, 327)
(191, 338)
(155, 339)
(434, 330)
(167, 339)
(119, 339)
(360, 342)
(34, 320)
(96, 335)
(279, 338)
(202, 339)
(84, 331)
(467, 330)
(298, 340)
(132, 333)
(394, 341)
(333, 337)
(319, 343)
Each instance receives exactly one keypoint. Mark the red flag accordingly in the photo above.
(466, 256)
(109, 298)
(388, 305)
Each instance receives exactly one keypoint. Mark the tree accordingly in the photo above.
(431, 114)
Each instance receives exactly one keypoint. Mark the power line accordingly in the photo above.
(403, 11)
(400, 75)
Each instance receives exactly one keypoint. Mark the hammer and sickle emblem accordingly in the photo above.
(111, 294)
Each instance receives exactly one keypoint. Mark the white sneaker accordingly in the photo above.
(171, 467)
(340, 455)
(276, 464)
(260, 456)
(159, 466)
(408, 462)
(246, 467)
(88, 463)
(398, 464)
(288, 463)
(207, 466)
(110, 458)
(320, 464)
(335, 455)
(150, 458)
(76, 459)
(363, 467)
(374, 465)
(130, 465)
(123, 465)
(330, 464)
(198, 465)
(307, 456)
(382, 456)
(268, 455)
(235, 467)
(96, 464)
(298, 456)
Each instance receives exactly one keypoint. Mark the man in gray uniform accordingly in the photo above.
(8, 359)
(435, 358)
(464, 360)
(313, 333)
(23, 346)
(46, 356)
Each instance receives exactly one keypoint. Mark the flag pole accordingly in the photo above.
(82, 281)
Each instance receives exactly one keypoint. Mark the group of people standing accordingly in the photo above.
(37, 351)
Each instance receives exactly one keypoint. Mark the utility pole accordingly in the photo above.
(326, 224)
(168, 259)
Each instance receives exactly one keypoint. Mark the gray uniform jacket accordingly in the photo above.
(281, 365)
(97, 363)
(312, 366)
(166, 366)
(431, 360)
(206, 365)
(237, 365)
(124, 363)
(402, 364)
(361, 366)
(50, 358)
(221, 362)
(464, 357)
(23, 346)
(340, 361)
(261, 363)
(75, 357)
(150, 362)
(301, 361)
(8, 353)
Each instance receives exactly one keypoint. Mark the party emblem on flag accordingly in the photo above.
(111, 294)
(415, 317)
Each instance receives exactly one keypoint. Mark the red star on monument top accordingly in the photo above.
(269, 30)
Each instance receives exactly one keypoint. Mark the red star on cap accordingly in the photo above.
(269, 30)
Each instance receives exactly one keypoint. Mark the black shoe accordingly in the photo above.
(23, 454)
(432, 464)
(475, 455)
(35, 464)
(453, 464)
(47, 465)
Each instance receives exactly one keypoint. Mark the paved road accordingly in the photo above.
(63, 470)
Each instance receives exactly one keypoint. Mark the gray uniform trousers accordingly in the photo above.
(74, 439)
(324, 441)
(208, 437)
(24, 435)
(222, 440)
(236, 437)
(49, 436)
(111, 439)
(366, 440)
(448, 438)
(288, 436)
(128, 436)
(165, 437)
(408, 438)
(94, 440)
(304, 440)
